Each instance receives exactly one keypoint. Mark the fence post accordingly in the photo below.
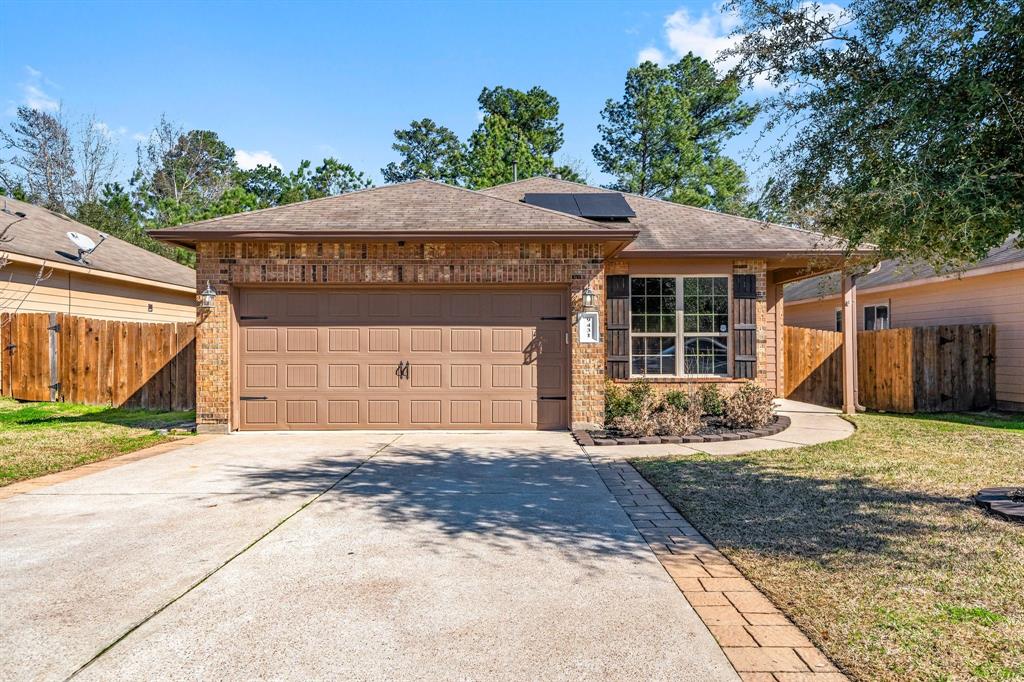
(54, 328)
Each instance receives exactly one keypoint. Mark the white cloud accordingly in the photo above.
(32, 93)
(108, 132)
(249, 160)
(710, 34)
(650, 54)
(141, 137)
(36, 98)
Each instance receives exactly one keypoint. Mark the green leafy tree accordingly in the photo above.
(115, 212)
(908, 119)
(181, 174)
(428, 151)
(664, 137)
(519, 135)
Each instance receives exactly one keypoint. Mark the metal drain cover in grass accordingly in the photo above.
(1006, 503)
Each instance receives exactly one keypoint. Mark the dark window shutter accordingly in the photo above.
(744, 334)
(744, 286)
(618, 286)
(617, 315)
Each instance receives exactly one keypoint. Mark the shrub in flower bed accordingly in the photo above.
(750, 407)
(637, 411)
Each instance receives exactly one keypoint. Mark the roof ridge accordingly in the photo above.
(482, 193)
(364, 190)
(667, 202)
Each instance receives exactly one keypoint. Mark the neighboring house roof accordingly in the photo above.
(420, 207)
(891, 273)
(667, 228)
(42, 236)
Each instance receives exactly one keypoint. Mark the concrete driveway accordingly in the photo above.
(357, 555)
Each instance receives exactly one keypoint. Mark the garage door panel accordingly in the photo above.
(506, 376)
(344, 305)
(507, 412)
(261, 413)
(301, 340)
(260, 376)
(382, 412)
(507, 341)
(465, 376)
(426, 340)
(466, 340)
(426, 305)
(382, 340)
(344, 412)
(301, 412)
(260, 340)
(303, 306)
(343, 376)
(425, 376)
(382, 376)
(344, 340)
(485, 361)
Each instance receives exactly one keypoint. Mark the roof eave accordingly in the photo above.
(740, 253)
(191, 238)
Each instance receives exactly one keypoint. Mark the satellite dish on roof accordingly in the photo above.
(84, 243)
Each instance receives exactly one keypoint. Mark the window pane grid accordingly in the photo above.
(700, 324)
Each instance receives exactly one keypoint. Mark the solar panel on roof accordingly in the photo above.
(563, 203)
(603, 205)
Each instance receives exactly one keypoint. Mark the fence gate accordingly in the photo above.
(55, 356)
(920, 369)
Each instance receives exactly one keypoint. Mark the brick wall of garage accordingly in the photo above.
(224, 264)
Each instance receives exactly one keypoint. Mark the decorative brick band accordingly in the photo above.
(782, 423)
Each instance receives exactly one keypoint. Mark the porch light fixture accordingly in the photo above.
(206, 298)
(588, 299)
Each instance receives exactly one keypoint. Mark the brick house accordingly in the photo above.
(421, 305)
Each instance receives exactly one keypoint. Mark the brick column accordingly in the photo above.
(213, 346)
(588, 359)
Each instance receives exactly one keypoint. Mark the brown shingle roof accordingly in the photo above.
(668, 227)
(43, 234)
(893, 272)
(412, 208)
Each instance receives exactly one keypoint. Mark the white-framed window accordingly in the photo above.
(839, 320)
(679, 325)
(876, 317)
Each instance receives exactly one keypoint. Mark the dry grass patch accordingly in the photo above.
(42, 438)
(872, 545)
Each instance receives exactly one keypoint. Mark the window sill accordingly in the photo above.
(682, 380)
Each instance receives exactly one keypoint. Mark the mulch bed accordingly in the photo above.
(713, 432)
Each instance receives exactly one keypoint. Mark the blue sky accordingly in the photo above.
(308, 80)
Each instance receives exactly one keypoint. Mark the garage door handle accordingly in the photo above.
(552, 397)
(253, 317)
(252, 397)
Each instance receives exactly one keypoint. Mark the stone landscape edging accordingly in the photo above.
(782, 422)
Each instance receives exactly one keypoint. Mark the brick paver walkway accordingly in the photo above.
(760, 642)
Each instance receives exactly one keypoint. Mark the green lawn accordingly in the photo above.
(41, 438)
(872, 545)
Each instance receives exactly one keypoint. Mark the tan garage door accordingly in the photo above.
(359, 359)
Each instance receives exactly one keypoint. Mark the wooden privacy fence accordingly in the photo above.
(914, 369)
(55, 356)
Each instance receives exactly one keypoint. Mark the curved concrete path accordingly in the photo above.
(342, 555)
(810, 425)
